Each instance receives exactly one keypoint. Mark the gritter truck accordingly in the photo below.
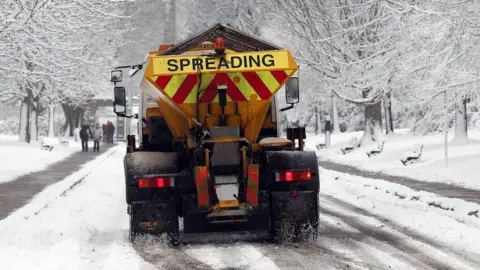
(210, 149)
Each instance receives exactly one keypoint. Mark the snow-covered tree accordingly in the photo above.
(54, 50)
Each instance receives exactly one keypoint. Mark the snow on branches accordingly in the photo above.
(56, 51)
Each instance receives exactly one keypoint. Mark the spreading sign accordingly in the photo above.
(231, 62)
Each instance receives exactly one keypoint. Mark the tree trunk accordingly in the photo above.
(71, 122)
(73, 118)
(390, 114)
(387, 106)
(461, 134)
(33, 124)
(51, 121)
(66, 112)
(24, 119)
(373, 122)
(335, 118)
(317, 124)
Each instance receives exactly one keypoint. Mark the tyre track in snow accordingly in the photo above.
(372, 233)
(349, 238)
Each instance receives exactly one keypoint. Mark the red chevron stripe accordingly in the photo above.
(202, 186)
(252, 186)
(232, 90)
(252, 196)
(279, 75)
(185, 88)
(162, 81)
(257, 84)
(210, 92)
(203, 200)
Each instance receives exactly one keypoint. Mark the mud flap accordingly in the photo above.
(294, 213)
(155, 218)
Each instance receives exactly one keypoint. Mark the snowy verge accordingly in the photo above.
(53, 192)
(462, 170)
(454, 229)
(460, 210)
(78, 223)
(13, 155)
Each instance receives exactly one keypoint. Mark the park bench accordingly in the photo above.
(349, 148)
(417, 153)
(376, 151)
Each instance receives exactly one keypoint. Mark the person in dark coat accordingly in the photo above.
(110, 131)
(105, 134)
(85, 133)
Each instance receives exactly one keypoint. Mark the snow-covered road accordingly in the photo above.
(83, 225)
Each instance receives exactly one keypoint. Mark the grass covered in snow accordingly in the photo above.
(463, 158)
(18, 158)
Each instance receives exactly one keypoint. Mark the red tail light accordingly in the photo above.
(156, 182)
(289, 176)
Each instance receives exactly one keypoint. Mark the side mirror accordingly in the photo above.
(116, 75)
(120, 100)
(292, 93)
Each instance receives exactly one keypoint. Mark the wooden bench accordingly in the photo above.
(377, 151)
(413, 157)
(350, 148)
(46, 147)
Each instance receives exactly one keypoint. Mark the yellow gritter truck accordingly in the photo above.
(210, 149)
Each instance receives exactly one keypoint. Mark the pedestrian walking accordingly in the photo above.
(110, 131)
(105, 134)
(97, 136)
(85, 133)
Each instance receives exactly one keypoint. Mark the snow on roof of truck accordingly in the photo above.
(235, 39)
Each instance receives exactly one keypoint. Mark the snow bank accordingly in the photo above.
(458, 209)
(18, 159)
(463, 169)
(409, 209)
(74, 224)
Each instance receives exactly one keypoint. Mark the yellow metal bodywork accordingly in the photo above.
(248, 110)
(229, 204)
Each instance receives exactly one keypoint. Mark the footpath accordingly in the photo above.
(442, 189)
(20, 191)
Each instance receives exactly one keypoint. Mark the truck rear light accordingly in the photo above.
(156, 182)
(290, 176)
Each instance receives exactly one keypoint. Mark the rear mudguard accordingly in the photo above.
(138, 164)
(154, 217)
(296, 201)
(276, 161)
(298, 208)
